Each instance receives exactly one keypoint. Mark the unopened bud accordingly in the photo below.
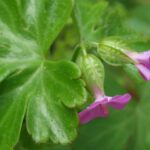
(113, 53)
(93, 72)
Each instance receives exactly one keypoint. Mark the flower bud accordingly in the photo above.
(113, 53)
(93, 73)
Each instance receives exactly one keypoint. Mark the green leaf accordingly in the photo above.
(27, 29)
(113, 52)
(55, 89)
(98, 19)
(49, 91)
(26, 142)
(127, 129)
(87, 14)
(40, 20)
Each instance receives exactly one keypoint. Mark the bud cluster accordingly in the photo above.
(93, 74)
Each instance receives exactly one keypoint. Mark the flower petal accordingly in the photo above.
(144, 71)
(143, 57)
(94, 111)
(119, 101)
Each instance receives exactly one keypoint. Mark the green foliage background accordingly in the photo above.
(128, 129)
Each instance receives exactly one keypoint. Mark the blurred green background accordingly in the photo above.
(128, 129)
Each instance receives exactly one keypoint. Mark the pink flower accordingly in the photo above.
(142, 62)
(99, 108)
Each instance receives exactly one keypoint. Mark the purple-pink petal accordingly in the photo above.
(99, 107)
(94, 111)
(142, 62)
(144, 71)
(143, 58)
(119, 101)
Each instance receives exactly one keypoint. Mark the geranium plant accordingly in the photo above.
(54, 59)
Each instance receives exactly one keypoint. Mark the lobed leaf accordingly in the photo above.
(48, 91)
(87, 14)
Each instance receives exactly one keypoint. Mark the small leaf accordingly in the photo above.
(87, 13)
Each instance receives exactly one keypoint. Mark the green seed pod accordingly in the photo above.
(112, 53)
(92, 71)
